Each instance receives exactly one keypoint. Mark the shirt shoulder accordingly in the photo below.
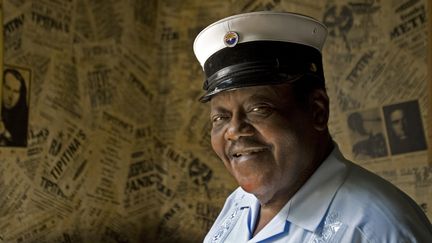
(376, 210)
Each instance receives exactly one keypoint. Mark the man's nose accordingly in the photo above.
(238, 127)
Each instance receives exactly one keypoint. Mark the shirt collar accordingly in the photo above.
(310, 203)
(245, 199)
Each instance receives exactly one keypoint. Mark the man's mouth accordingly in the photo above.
(245, 152)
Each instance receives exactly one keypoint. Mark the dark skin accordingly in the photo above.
(270, 142)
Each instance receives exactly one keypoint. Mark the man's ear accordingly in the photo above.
(319, 103)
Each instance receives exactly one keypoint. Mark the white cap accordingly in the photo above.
(259, 26)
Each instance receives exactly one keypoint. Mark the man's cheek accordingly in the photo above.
(218, 149)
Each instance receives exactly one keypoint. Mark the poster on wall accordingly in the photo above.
(15, 88)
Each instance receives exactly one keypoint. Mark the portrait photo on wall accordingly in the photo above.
(14, 106)
(404, 127)
(366, 130)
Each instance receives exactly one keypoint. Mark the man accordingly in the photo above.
(404, 131)
(14, 110)
(269, 110)
(398, 122)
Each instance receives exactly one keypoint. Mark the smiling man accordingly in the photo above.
(269, 113)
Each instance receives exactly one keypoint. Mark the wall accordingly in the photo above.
(118, 146)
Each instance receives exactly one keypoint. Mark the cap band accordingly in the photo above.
(259, 63)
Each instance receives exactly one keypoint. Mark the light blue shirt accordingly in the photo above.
(341, 202)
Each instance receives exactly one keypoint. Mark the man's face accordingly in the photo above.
(11, 91)
(263, 138)
(398, 123)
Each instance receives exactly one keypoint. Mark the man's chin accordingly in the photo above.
(251, 187)
(262, 197)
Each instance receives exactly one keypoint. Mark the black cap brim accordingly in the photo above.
(259, 63)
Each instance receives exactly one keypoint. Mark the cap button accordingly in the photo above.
(231, 39)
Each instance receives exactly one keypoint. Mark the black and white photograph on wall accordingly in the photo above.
(367, 134)
(14, 106)
(404, 127)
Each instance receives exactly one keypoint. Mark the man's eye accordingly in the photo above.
(264, 110)
(218, 118)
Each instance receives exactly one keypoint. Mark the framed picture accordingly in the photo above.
(404, 127)
(15, 92)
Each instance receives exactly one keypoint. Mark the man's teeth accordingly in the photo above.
(248, 152)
